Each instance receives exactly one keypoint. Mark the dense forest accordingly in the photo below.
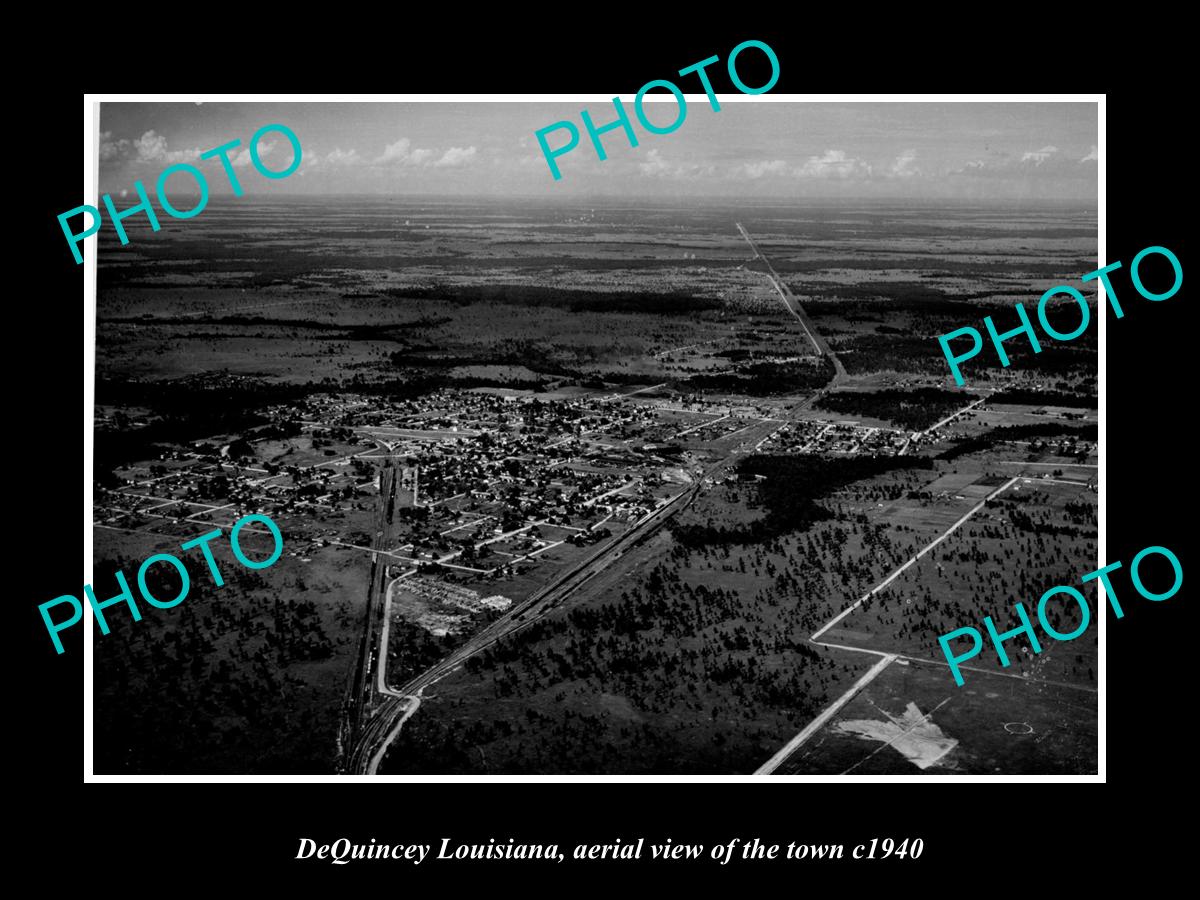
(789, 490)
(673, 303)
(910, 409)
(909, 317)
(205, 686)
(764, 379)
(332, 331)
(1030, 397)
(685, 667)
(412, 649)
(183, 410)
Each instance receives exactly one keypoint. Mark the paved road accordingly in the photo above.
(886, 659)
(391, 715)
(396, 710)
(819, 722)
(954, 415)
(794, 307)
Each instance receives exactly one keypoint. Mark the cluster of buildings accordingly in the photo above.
(430, 603)
(835, 439)
(489, 480)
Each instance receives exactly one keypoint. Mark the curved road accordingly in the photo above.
(401, 703)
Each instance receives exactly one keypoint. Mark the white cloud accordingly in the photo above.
(241, 159)
(834, 164)
(1092, 156)
(1047, 163)
(532, 161)
(456, 156)
(830, 164)
(1037, 157)
(402, 153)
(339, 157)
(151, 147)
(903, 166)
(765, 167)
(110, 149)
(655, 166)
(396, 151)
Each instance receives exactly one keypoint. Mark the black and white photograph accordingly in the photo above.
(657, 467)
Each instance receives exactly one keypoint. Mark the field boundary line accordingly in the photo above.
(888, 658)
(896, 574)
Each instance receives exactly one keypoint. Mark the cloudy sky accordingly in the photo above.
(975, 151)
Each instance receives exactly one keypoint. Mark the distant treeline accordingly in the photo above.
(888, 352)
(908, 317)
(789, 492)
(1025, 522)
(601, 378)
(421, 384)
(907, 296)
(912, 409)
(940, 267)
(765, 379)
(336, 331)
(184, 396)
(673, 303)
(526, 354)
(1030, 397)
(431, 365)
(1018, 433)
(1056, 359)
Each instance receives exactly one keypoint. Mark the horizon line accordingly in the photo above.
(650, 201)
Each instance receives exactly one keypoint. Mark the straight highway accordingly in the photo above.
(797, 311)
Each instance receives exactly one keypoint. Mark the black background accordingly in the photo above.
(974, 835)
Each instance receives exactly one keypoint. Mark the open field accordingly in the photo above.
(989, 726)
